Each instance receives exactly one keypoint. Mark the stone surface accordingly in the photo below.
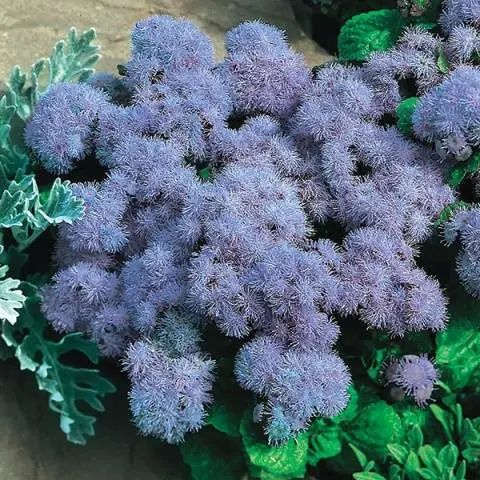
(30, 28)
(32, 447)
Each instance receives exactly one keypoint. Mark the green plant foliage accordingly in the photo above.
(67, 386)
(413, 416)
(464, 431)
(224, 418)
(367, 423)
(286, 461)
(375, 425)
(458, 347)
(325, 441)
(413, 459)
(448, 211)
(404, 115)
(377, 352)
(462, 169)
(326, 435)
(369, 32)
(442, 62)
(212, 456)
(351, 410)
(13, 156)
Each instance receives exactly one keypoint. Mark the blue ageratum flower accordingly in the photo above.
(415, 375)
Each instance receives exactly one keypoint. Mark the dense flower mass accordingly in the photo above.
(449, 113)
(460, 12)
(219, 181)
(465, 225)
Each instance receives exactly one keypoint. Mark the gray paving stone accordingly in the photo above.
(29, 28)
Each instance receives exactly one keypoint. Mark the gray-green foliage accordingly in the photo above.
(11, 298)
(71, 60)
(66, 385)
(26, 211)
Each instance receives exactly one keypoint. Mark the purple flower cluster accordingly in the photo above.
(414, 58)
(411, 375)
(63, 126)
(459, 13)
(265, 75)
(421, 60)
(465, 226)
(384, 285)
(449, 114)
(163, 252)
(171, 378)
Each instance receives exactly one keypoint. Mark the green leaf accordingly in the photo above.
(442, 62)
(205, 173)
(448, 211)
(448, 455)
(428, 456)
(12, 156)
(14, 259)
(427, 474)
(374, 31)
(458, 347)
(351, 411)
(368, 476)
(361, 457)
(376, 425)
(12, 209)
(471, 455)
(325, 442)
(11, 299)
(404, 114)
(459, 420)
(66, 385)
(462, 169)
(445, 418)
(411, 415)
(224, 419)
(59, 205)
(377, 352)
(212, 456)
(415, 437)
(470, 433)
(288, 460)
(398, 452)
(394, 472)
(461, 471)
(7, 111)
(412, 465)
